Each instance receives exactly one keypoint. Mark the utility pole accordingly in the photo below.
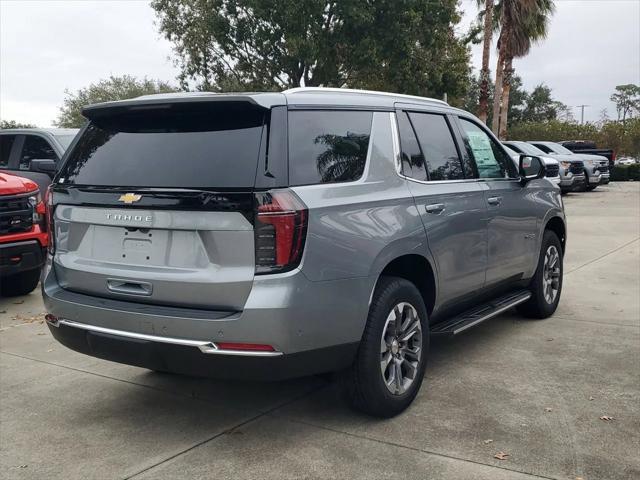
(581, 107)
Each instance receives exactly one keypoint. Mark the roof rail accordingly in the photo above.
(368, 92)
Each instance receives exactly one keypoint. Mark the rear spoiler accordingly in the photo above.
(167, 101)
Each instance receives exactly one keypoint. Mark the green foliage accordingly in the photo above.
(623, 173)
(4, 124)
(406, 46)
(524, 107)
(627, 100)
(113, 88)
(624, 139)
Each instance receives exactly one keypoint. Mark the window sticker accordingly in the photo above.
(482, 150)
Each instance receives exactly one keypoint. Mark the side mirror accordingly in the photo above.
(531, 168)
(43, 166)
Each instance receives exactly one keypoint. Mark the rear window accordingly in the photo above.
(327, 146)
(194, 147)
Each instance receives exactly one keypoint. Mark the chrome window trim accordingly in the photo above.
(203, 345)
(395, 135)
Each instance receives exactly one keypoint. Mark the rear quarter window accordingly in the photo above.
(328, 146)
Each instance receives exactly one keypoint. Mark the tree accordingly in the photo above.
(627, 100)
(407, 46)
(483, 109)
(113, 88)
(522, 22)
(4, 124)
(541, 107)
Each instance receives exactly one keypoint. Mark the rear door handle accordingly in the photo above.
(435, 208)
(494, 200)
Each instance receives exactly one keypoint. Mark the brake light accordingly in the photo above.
(48, 206)
(280, 229)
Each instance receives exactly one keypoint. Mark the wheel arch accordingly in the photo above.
(418, 270)
(556, 224)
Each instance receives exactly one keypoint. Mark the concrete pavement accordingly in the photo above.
(534, 390)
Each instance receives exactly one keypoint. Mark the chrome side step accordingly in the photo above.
(204, 346)
(480, 313)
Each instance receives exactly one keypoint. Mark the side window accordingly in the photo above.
(6, 142)
(515, 148)
(438, 147)
(413, 165)
(35, 148)
(491, 160)
(327, 146)
(542, 147)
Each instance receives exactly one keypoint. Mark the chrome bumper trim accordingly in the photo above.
(204, 346)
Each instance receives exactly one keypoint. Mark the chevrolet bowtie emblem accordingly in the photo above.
(129, 197)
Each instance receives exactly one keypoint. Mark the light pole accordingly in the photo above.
(581, 107)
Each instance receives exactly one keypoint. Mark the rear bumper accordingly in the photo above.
(21, 256)
(300, 319)
(190, 360)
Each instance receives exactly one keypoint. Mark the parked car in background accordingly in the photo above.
(571, 170)
(585, 146)
(34, 153)
(626, 161)
(552, 166)
(375, 221)
(23, 236)
(596, 167)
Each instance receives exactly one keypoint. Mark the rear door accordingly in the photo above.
(156, 206)
(450, 201)
(512, 209)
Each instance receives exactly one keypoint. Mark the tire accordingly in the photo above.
(590, 188)
(544, 300)
(20, 284)
(365, 384)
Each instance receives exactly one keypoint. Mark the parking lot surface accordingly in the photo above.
(559, 397)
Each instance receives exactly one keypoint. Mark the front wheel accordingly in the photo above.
(546, 284)
(590, 188)
(389, 367)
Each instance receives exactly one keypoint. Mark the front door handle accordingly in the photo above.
(435, 208)
(494, 200)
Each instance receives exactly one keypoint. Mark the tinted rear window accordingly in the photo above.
(201, 147)
(327, 146)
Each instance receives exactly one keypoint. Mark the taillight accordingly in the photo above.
(48, 204)
(280, 230)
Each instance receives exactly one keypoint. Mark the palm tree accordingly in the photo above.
(522, 22)
(483, 108)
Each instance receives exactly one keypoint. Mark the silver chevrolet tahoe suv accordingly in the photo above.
(274, 235)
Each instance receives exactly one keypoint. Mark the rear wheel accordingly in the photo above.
(546, 284)
(20, 284)
(389, 367)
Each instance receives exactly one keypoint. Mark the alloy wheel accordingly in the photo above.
(551, 274)
(401, 348)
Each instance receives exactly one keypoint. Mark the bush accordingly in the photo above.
(622, 173)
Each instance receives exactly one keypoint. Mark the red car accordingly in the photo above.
(23, 235)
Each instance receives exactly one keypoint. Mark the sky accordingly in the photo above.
(49, 46)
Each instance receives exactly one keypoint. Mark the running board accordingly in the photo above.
(480, 313)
